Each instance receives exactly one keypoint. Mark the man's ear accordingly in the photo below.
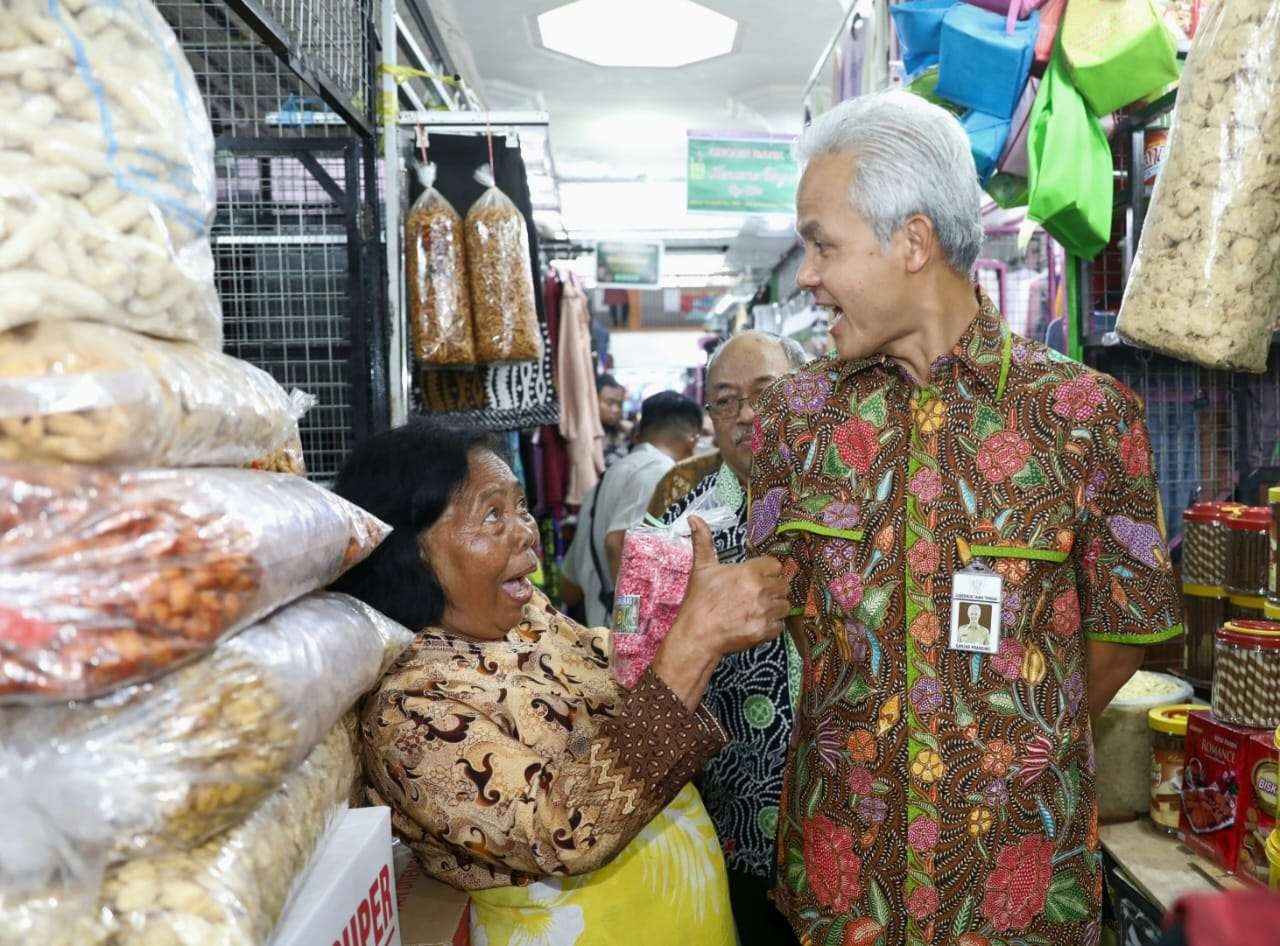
(921, 242)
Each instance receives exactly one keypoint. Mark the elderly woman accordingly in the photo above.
(514, 765)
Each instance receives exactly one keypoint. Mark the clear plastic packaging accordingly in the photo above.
(503, 309)
(1206, 279)
(435, 269)
(1122, 740)
(112, 577)
(652, 580)
(106, 172)
(1246, 674)
(174, 762)
(76, 392)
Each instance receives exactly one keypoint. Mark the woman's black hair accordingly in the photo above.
(406, 477)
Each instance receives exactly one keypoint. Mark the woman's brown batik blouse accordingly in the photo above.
(504, 761)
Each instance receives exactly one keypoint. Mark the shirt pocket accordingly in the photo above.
(1039, 579)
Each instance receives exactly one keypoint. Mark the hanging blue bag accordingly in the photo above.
(988, 135)
(982, 66)
(919, 27)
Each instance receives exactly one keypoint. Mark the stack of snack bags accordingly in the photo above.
(174, 685)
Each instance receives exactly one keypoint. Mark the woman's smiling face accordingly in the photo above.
(482, 550)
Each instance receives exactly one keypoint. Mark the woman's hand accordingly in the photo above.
(726, 609)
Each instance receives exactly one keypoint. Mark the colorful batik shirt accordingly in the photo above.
(750, 693)
(935, 796)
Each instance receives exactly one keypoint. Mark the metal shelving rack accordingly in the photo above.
(297, 236)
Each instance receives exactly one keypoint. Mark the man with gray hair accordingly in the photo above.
(940, 789)
(750, 693)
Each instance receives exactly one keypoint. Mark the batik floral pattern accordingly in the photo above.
(937, 797)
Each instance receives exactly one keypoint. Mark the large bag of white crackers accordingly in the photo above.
(1205, 286)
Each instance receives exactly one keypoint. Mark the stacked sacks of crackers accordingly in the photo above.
(174, 683)
(1206, 280)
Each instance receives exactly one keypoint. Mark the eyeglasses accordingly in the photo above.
(730, 405)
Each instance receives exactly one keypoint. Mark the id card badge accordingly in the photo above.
(977, 595)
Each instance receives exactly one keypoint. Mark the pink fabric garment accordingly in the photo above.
(579, 405)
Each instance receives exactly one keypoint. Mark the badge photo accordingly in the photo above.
(976, 597)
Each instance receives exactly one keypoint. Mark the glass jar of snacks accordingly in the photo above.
(1248, 550)
(1168, 756)
(1246, 674)
(1204, 611)
(1204, 545)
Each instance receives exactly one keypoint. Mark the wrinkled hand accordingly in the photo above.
(732, 607)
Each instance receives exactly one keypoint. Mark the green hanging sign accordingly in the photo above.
(744, 172)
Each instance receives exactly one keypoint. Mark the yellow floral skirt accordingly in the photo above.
(668, 886)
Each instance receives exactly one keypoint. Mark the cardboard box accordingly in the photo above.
(1229, 794)
(348, 897)
(431, 913)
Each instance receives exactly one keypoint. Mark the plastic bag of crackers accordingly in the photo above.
(230, 891)
(169, 764)
(112, 577)
(75, 392)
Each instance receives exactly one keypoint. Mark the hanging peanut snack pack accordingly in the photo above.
(435, 267)
(502, 302)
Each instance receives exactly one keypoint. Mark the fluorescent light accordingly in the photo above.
(651, 34)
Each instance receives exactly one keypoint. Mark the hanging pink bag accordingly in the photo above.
(1050, 19)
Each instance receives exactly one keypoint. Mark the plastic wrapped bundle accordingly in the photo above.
(435, 269)
(171, 763)
(288, 459)
(503, 308)
(111, 577)
(106, 171)
(652, 580)
(1206, 280)
(77, 392)
(233, 890)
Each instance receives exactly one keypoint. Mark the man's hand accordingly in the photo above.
(1110, 667)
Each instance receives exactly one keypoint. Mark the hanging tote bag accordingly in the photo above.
(988, 136)
(981, 66)
(1070, 166)
(919, 27)
(1118, 51)
(1014, 158)
(1050, 22)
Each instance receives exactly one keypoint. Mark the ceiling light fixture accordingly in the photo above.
(661, 34)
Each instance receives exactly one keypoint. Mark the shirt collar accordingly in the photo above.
(981, 350)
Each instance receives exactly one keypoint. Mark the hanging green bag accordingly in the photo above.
(1118, 51)
(1069, 164)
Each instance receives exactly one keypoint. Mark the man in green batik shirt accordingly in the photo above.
(933, 794)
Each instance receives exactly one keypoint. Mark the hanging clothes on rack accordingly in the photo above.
(552, 459)
(580, 417)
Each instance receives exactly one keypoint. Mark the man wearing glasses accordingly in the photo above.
(750, 692)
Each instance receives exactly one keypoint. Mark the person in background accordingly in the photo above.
(750, 692)
(515, 766)
(667, 432)
(613, 397)
(932, 795)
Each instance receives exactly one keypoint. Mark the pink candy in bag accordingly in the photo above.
(657, 561)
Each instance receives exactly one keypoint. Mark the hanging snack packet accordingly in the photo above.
(652, 579)
(502, 301)
(435, 269)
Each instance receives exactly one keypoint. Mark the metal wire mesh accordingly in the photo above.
(280, 251)
(247, 89)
